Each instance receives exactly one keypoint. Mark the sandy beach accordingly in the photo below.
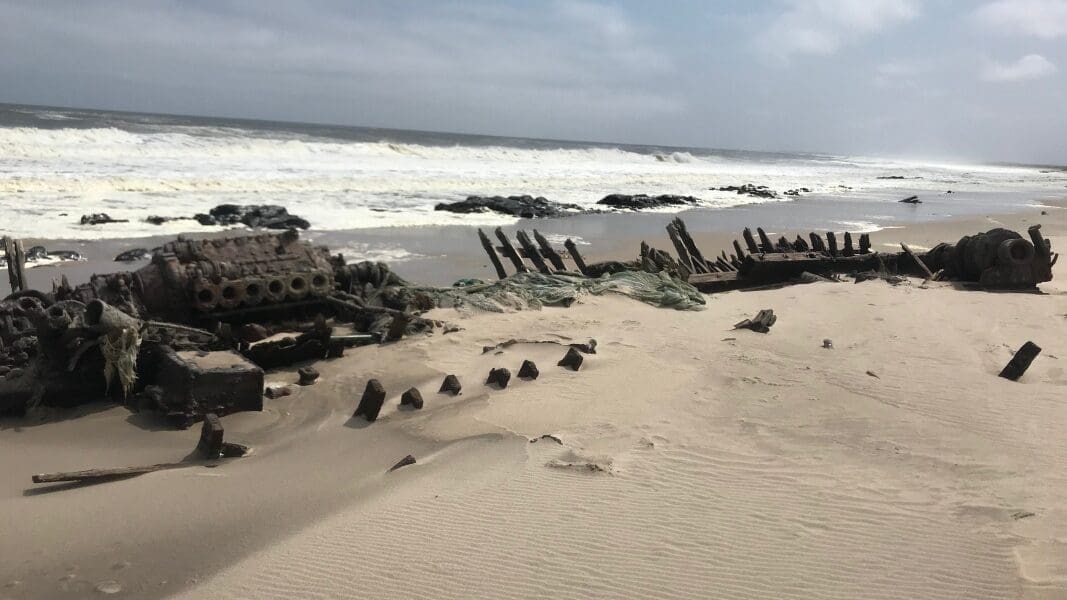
(688, 460)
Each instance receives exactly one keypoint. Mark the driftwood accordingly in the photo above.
(493, 258)
(510, 253)
(106, 474)
(918, 261)
(762, 322)
(549, 252)
(1021, 361)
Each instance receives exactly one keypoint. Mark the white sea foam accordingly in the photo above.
(50, 177)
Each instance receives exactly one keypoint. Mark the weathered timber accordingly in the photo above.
(831, 243)
(572, 360)
(106, 474)
(528, 370)
(16, 264)
(717, 282)
(493, 258)
(865, 243)
(210, 444)
(766, 246)
(800, 245)
(679, 247)
(531, 251)
(572, 249)
(308, 375)
(694, 252)
(848, 250)
(816, 242)
(749, 241)
(918, 261)
(499, 377)
(510, 253)
(371, 402)
(761, 323)
(450, 385)
(758, 269)
(398, 327)
(738, 251)
(549, 252)
(1021, 361)
(1041, 247)
(412, 398)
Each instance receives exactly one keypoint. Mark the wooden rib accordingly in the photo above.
(531, 251)
(549, 252)
(848, 250)
(738, 251)
(572, 249)
(751, 243)
(831, 243)
(816, 242)
(509, 251)
(865, 243)
(697, 256)
(493, 258)
(679, 247)
(765, 242)
(800, 245)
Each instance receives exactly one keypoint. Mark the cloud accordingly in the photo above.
(1046, 19)
(1031, 66)
(822, 27)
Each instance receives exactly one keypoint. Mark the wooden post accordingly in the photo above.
(699, 262)
(765, 242)
(751, 243)
(848, 251)
(493, 258)
(549, 252)
(918, 261)
(816, 242)
(831, 242)
(509, 251)
(16, 264)
(865, 243)
(1021, 361)
(800, 245)
(531, 252)
(679, 247)
(737, 249)
(1040, 248)
(572, 249)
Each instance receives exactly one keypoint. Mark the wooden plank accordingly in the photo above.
(918, 261)
(549, 252)
(572, 249)
(104, 474)
(699, 262)
(1021, 361)
(531, 251)
(751, 243)
(493, 258)
(510, 253)
(679, 247)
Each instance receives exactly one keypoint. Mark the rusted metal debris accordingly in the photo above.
(450, 385)
(572, 360)
(499, 377)
(370, 404)
(1021, 361)
(761, 323)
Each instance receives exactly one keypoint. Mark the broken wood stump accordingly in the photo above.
(210, 445)
(407, 460)
(450, 385)
(103, 474)
(573, 360)
(371, 402)
(528, 370)
(412, 398)
(1021, 361)
(579, 262)
(499, 377)
(762, 322)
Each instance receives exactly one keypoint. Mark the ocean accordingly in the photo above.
(58, 164)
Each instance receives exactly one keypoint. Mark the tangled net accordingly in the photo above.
(120, 358)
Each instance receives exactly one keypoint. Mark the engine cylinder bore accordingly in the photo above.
(297, 287)
(232, 293)
(275, 289)
(320, 283)
(255, 291)
(1016, 252)
(206, 295)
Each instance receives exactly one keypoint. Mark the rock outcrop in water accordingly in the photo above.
(256, 216)
(526, 207)
(644, 201)
(749, 189)
(100, 219)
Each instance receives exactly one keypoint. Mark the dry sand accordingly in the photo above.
(696, 462)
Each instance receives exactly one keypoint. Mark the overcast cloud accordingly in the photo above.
(969, 80)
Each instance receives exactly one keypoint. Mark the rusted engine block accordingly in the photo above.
(998, 258)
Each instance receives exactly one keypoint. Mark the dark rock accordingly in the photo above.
(500, 377)
(65, 254)
(36, 253)
(644, 201)
(528, 370)
(412, 398)
(749, 189)
(573, 360)
(586, 348)
(890, 177)
(134, 255)
(277, 392)
(308, 375)
(234, 450)
(526, 207)
(252, 332)
(912, 200)
(371, 402)
(100, 219)
(256, 216)
(547, 436)
(13, 374)
(407, 460)
(155, 220)
(210, 445)
(450, 385)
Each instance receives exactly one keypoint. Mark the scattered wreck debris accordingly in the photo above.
(499, 377)
(644, 201)
(403, 462)
(308, 375)
(526, 207)
(450, 385)
(750, 189)
(761, 323)
(256, 216)
(528, 370)
(1021, 361)
(572, 360)
(134, 255)
(100, 219)
(370, 404)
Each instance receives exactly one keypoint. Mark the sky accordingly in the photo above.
(973, 80)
